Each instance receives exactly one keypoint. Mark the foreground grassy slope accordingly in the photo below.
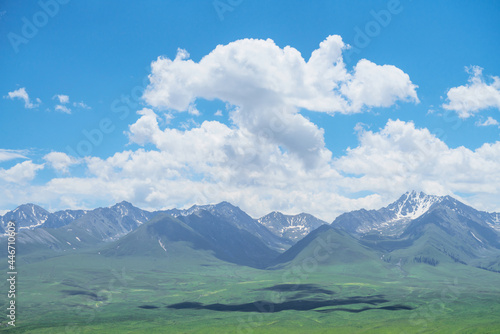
(92, 293)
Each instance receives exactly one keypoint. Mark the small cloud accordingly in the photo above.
(60, 161)
(63, 99)
(490, 121)
(22, 94)
(360, 127)
(193, 111)
(63, 109)
(218, 113)
(431, 110)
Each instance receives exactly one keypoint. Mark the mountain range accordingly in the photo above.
(417, 229)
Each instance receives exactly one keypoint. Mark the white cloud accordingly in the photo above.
(20, 173)
(23, 95)
(378, 86)
(63, 109)
(268, 85)
(60, 161)
(476, 95)
(249, 72)
(218, 113)
(6, 155)
(490, 121)
(63, 99)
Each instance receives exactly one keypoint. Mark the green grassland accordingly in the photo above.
(93, 293)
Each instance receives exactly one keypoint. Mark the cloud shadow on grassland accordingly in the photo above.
(297, 305)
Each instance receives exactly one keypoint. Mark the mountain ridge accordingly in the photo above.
(394, 218)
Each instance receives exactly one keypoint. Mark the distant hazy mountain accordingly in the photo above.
(93, 227)
(291, 227)
(108, 224)
(64, 217)
(27, 216)
(199, 234)
(236, 217)
(42, 240)
(30, 216)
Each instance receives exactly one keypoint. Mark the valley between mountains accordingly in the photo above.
(422, 263)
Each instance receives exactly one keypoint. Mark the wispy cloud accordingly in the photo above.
(22, 94)
(81, 105)
(6, 155)
(490, 121)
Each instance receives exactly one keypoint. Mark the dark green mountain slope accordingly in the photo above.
(327, 246)
(201, 232)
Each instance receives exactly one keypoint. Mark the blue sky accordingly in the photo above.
(97, 55)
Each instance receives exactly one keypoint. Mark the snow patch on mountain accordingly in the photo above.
(162, 245)
(40, 222)
(292, 227)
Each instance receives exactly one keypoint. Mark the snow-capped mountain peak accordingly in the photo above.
(122, 208)
(412, 205)
(392, 219)
(292, 227)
